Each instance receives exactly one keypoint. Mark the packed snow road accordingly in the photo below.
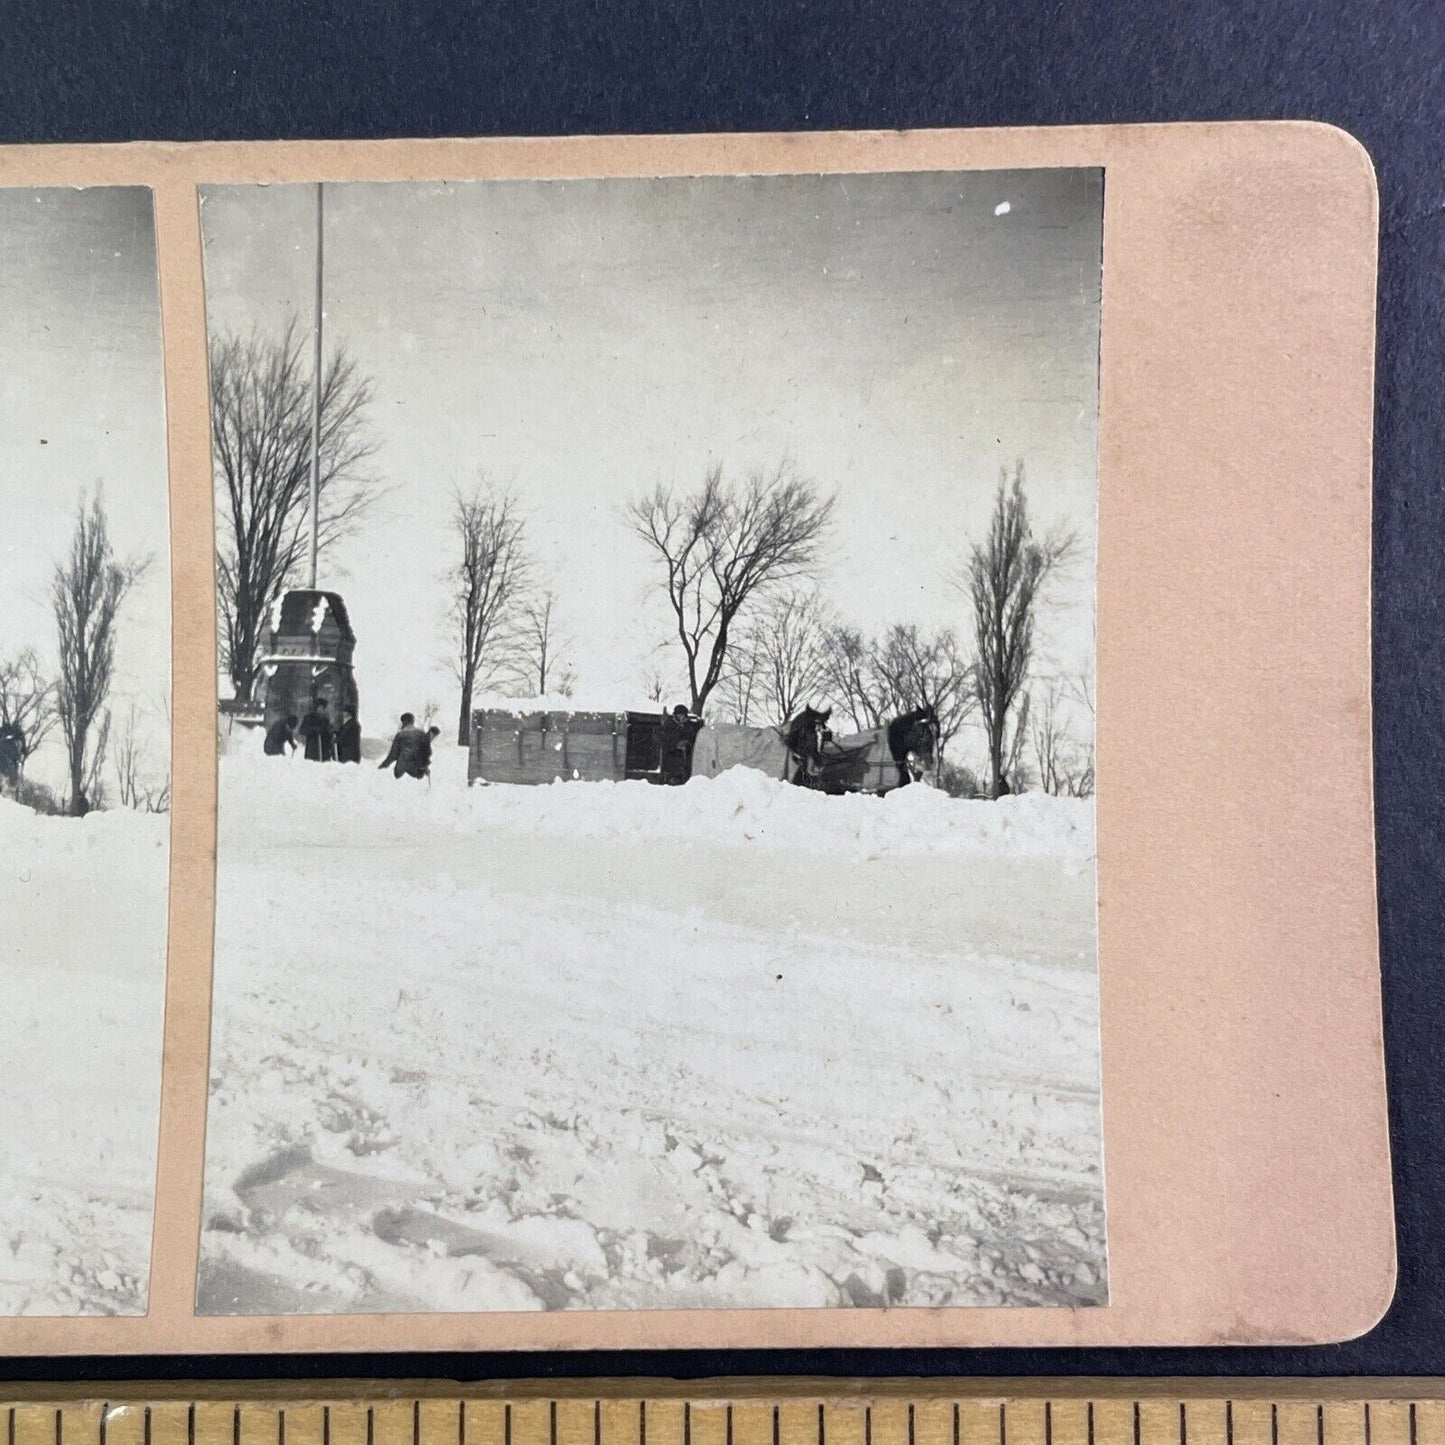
(612, 1046)
(82, 965)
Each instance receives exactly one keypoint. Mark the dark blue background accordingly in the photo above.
(266, 69)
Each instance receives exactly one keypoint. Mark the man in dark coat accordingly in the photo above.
(316, 735)
(348, 737)
(410, 751)
(280, 736)
(679, 729)
(12, 753)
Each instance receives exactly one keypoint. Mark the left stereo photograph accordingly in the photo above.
(85, 746)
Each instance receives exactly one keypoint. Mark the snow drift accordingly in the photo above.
(622, 1046)
(739, 806)
(82, 959)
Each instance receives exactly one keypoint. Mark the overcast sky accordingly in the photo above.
(81, 404)
(896, 337)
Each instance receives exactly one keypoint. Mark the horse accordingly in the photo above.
(913, 742)
(856, 764)
(804, 737)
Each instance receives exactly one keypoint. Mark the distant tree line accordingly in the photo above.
(736, 561)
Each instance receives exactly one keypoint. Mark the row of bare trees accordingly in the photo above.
(736, 560)
(735, 563)
(794, 651)
(88, 589)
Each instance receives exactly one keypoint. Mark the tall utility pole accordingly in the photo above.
(316, 390)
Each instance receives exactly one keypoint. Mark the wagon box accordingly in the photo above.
(543, 747)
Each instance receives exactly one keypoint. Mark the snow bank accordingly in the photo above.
(82, 956)
(650, 1074)
(741, 806)
(74, 838)
(618, 1046)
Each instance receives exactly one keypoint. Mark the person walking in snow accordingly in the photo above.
(316, 734)
(410, 753)
(348, 737)
(281, 736)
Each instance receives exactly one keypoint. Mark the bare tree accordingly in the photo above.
(1004, 577)
(779, 660)
(488, 581)
(135, 786)
(1015, 766)
(27, 702)
(538, 645)
(261, 404)
(1065, 765)
(904, 669)
(1049, 734)
(849, 677)
(87, 591)
(1080, 685)
(158, 797)
(1081, 688)
(722, 545)
(917, 670)
(736, 697)
(127, 759)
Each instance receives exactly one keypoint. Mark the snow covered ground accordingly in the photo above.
(616, 1046)
(82, 963)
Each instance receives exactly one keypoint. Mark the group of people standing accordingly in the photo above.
(321, 742)
(316, 736)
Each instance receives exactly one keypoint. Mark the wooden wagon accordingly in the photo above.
(551, 746)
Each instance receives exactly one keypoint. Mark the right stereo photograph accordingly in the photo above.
(656, 862)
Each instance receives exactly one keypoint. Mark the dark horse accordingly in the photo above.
(860, 763)
(913, 742)
(804, 737)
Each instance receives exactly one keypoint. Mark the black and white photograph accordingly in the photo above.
(84, 747)
(656, 847)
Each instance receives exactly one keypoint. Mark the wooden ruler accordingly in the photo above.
(754, 1412)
